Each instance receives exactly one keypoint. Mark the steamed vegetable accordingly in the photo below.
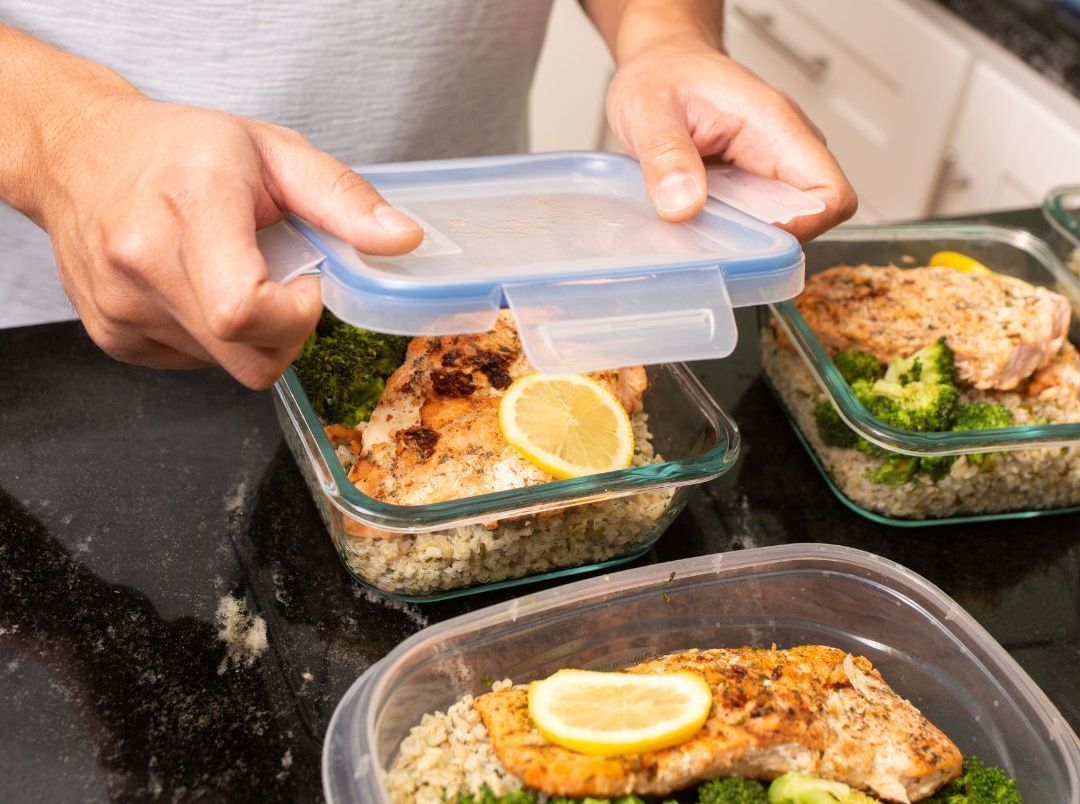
(978, 784)
(733, 790)
(343, 369)
(857, 365)
(803, 788)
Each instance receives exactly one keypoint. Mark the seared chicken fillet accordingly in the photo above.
(811, 709)
(434, 436)
(1000, 329)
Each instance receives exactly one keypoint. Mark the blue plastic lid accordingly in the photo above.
(568, 242)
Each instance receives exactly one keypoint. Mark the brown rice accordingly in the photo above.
(446, 754)
(1030, 479)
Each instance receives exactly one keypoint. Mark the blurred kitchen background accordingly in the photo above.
(932, 107)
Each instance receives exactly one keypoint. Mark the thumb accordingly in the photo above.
(325, 191)
(674, 173)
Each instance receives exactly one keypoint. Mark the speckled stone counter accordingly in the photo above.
(1044, 35)
(175, 625)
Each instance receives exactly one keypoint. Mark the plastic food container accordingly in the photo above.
(928, 648)
(430, 552)
(799, 378)
(1062, 209)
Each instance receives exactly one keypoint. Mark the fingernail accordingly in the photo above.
(676, 192)
(393, 221)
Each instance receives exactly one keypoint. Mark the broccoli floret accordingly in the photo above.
(870, 449)
(857, 365)
(732, 790)
(832, 429)
(343, 369)
(978, 784)
(918, 406)
(937, 467)
(932, 364)
(982, 416)
(803, 788)
(895, 471)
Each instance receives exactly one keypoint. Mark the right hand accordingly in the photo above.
(152, 209)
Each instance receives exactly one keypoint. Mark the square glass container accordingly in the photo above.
(1062, 209)
(925, 645)
(1004, 487)
(432, 552)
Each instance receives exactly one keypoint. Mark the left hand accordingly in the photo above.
(679, 101)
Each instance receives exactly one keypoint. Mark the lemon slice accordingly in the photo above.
(608, 714)
(569, 425)
(958, 262)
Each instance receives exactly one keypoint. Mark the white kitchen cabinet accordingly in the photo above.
(879, 78)
(566, 106)
(1007, 150)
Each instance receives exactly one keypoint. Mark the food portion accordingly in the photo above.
(804, 725)
(343, 370)
(936, 349)
(460, 416)
(1001, 330)
(435, 434)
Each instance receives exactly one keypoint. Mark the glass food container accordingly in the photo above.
(431, 552)
(1062, 209)
(999, 486)
(594, 280)
(927, 647)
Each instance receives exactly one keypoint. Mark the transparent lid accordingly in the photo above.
(568, 242)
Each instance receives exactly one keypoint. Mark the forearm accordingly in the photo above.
(631, 27)
(43, 92)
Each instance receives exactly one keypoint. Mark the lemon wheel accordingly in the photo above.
(569, 425)
(609, 714)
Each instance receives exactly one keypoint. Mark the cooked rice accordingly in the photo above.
(448, 753)
(437, 561)
(1030, 479)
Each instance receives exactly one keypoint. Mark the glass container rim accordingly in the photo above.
(1059, 216)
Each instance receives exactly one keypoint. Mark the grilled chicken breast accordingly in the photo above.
(1001, 330)
(813, 709)
(434, 435)
(1060, 378)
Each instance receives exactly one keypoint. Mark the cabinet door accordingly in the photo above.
(1007, 150)
(879, 78)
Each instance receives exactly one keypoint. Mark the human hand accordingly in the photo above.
(152, 209)
(683, 99)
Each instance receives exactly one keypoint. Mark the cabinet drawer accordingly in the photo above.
(877, 77)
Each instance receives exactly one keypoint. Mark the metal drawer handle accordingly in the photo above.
(764, 26)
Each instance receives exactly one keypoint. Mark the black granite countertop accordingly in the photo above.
(175, 624)
(1045, 34)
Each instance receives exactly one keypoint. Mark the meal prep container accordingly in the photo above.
(926, 646)
(594, 280)
(1062, 209)
(1007, 251)
(431, 552)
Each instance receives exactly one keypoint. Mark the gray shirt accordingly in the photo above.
(365, 80)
